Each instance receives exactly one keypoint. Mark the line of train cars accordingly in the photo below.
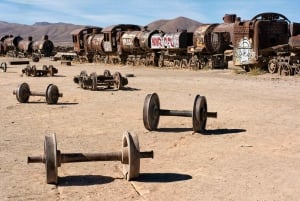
(268, 40)
(16, 46)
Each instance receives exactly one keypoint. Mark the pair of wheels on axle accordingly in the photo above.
(199, 114)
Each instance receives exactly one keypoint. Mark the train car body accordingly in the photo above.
(137, 45)
(44, 46)
(268, 39)
(86, 41)
(112, 42)
(19, 47)
(171, 48)
(253, 38)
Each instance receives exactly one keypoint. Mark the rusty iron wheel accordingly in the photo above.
(130, 144)
(199, 114)
(50, 153)
(273, 66)
(94, 81)
(151, 112)
(52, 94)
(23, 92)
(285, 69)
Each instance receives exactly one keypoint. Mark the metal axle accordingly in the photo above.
(183, 113)
(34, 93)
(87, 157)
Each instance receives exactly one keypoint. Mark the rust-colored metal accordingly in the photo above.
(23, 93)
(33, 71)
(94, 81)
(3, 66)
(129, 156)
(152, 113)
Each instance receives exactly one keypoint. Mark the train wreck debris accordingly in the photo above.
(32, 71)
(94, 81)
(268, 41)
(3, 66)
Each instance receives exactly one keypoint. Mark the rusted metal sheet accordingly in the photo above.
(44, 46)
(157, 41)
(145, 39)
(244, 53)
(129, 40)
(202, 38)
(94, 43)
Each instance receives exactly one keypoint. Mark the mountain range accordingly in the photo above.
(59, 33)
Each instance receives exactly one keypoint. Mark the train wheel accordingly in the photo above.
(273, 66)
(176, 63)
(160, 63)
(297, 70)
(33, 70)
(285, 69)
(183, 63)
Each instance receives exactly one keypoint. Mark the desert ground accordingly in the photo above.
(251, 151)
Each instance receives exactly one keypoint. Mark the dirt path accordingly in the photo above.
(252, 151)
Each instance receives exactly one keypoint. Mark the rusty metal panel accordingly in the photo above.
(295, 29)
(107, 46)
(204, 38)
(270, 33)
(243, 53)
(294, 43)
(129, 40)
(94, 43)
(25, 46)
(157, 41)
(171, 40)
(145, 39)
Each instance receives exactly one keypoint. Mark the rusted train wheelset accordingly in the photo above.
(94, 81)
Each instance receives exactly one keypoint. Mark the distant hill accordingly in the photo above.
(172, 25)
(59, 33)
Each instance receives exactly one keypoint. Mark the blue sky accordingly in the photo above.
(141, 12)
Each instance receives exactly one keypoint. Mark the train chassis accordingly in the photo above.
(285, 64)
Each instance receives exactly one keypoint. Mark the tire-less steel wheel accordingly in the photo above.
(94, 81)
(107, 73)
(51, 163)
(23, 93)
(52, 94)
(273, 66)
(118, 80)
(199, 114)
(151, 111)
(131, 151)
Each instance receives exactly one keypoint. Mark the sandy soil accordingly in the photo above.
(252, 151)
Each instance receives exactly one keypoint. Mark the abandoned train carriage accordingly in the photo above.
(259, 42)
(137, 44)
(85, 42)
(16, 46)
(44, 46)
(267, 40)
(112, 42)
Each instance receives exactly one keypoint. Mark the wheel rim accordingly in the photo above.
(272, 66)
(151, 111)
(50, 151)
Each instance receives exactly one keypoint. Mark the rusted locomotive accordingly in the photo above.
(268, 40)
(16, 46)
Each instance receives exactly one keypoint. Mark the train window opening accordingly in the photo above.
(106, 37)
(74, 39)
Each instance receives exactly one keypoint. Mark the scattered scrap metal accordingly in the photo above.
(32, 71)
(3, 66)
(93, 81)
